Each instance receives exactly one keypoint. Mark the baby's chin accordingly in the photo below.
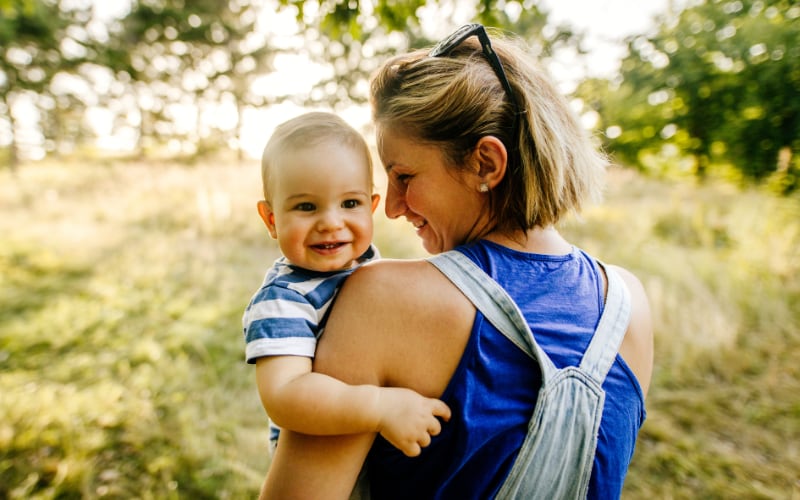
(330, 267)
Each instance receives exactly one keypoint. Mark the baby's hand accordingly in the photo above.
(409, 419)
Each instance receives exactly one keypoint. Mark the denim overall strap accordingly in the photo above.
(495, 304)
(610, 331)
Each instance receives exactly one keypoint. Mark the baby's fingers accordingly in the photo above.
(434, 427)
(424, 440)
(411, 450)
(440, 409)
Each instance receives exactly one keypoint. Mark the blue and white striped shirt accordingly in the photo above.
(286, 315)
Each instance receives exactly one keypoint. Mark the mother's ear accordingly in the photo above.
(492, 159)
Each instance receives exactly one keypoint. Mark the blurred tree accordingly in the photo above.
(719, 82)
(194, 54)
(155, 62)
(37, 43)
(358, 35)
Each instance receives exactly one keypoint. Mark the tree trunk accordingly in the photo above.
(239, 130)
(13, 148)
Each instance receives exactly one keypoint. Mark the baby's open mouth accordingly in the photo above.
(328, 246)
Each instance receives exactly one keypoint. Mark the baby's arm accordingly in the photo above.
(298, 399)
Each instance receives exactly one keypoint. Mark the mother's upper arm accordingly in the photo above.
(315, 467)
(328, 466)
(637, 346)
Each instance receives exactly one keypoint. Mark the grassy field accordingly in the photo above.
(121, 361)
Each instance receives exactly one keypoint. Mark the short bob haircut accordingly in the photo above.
(453, 101)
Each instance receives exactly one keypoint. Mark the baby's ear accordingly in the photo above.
(375, 199)
(268, 216)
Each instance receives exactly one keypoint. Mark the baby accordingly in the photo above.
(318, 203)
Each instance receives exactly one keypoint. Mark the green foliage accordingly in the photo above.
(27, 21)
(160, 58)
(341, 32)
(204, 52)
(337, 33)
(397, 16)
(159, 53)
(719, 83)
(41, 40)
(720, 266)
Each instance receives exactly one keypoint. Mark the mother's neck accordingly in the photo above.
(539, 240)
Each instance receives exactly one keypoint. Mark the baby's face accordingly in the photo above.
(322, 205)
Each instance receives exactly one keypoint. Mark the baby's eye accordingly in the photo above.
(305, 207)
(403, 178)
(350, 204)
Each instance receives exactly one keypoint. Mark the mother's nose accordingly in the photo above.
(395, 203)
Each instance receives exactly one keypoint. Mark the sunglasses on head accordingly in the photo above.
(446, 46)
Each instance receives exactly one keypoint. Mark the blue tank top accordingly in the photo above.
(561, 297)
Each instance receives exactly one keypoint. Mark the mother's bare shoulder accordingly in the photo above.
(405, 317)
(398, 284)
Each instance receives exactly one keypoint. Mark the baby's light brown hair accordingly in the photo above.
(309, 130)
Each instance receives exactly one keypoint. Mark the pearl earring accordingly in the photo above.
(483, 188)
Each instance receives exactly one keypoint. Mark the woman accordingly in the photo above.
(485, 157)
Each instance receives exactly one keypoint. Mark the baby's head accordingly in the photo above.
(318, 201)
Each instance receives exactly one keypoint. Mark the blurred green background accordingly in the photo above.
(125, 264)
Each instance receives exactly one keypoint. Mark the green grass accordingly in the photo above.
(722, 270)
(121, 362)
(122, 292)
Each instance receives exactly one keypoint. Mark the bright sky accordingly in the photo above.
(606, 24)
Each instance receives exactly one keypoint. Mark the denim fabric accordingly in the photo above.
(556, 458)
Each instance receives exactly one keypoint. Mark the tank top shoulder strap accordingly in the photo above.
(495, 304)
(611, 328)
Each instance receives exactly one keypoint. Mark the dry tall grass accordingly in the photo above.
(122, 287)
(720, 266)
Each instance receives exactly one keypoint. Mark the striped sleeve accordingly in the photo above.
(279, 322)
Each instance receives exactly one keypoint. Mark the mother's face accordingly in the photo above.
(443, 203)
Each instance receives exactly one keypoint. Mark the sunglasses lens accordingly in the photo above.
(454, 40)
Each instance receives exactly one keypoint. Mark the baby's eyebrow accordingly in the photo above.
(298, 195)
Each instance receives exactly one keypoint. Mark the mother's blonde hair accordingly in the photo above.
(453, 101)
